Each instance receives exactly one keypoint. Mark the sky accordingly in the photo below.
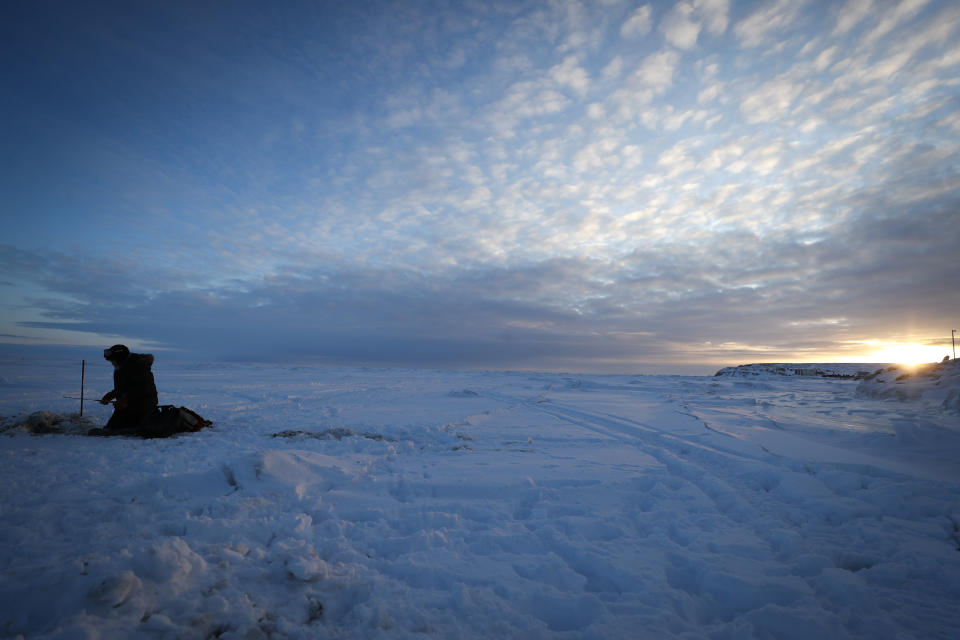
(604, 186)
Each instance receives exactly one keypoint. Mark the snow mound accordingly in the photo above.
(930, 383)
(373, 503)
(820, 370)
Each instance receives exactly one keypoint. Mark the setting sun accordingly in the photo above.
(906, 353)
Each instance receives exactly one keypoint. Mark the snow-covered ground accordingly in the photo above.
(362, 503)
(937, 384)
(824, 370)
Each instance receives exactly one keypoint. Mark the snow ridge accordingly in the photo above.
(937, 384)
(351, 503)
(823, 370)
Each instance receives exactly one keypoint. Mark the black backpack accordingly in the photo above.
(167, 420)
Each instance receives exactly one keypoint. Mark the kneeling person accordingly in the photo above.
(134, 391)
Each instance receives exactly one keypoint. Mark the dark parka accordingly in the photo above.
(136, 392)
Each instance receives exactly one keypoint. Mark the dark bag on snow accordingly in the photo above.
(168, 420)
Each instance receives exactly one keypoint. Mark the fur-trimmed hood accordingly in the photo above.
(139, 359)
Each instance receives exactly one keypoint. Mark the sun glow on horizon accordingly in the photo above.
(909, 353)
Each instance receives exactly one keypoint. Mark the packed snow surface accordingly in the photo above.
(349, 503)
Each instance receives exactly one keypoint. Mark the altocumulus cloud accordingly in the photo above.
(656, 306)
(572, 185)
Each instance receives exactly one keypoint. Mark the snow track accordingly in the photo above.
(368, 504)
(803, 528)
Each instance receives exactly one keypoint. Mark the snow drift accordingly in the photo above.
(407, 504)
(937, 384)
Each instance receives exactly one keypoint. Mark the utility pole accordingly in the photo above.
(953, 342)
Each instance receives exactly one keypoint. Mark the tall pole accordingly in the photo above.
(953, 342)
(83, 375)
